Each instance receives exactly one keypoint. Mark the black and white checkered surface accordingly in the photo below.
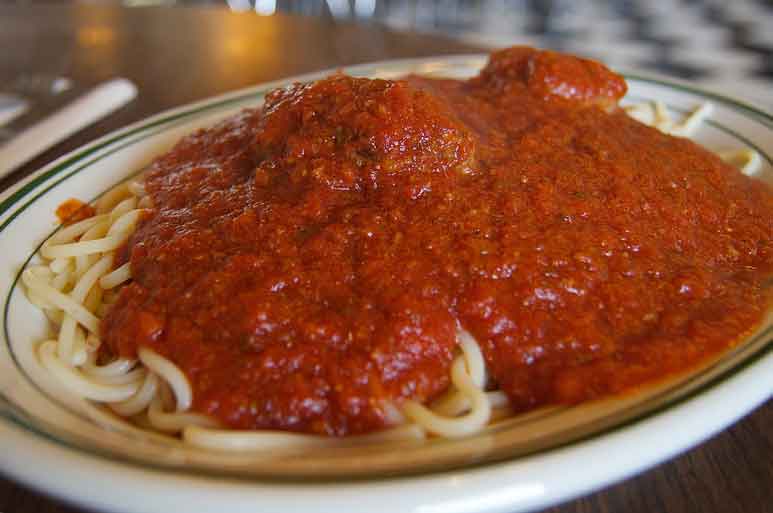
(725, 45)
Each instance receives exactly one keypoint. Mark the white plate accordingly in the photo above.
(69, 448)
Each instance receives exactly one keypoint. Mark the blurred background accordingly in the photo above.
(724, 44)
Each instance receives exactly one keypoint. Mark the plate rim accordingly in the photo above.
(20, 191)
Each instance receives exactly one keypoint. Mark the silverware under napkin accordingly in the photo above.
(88, 108)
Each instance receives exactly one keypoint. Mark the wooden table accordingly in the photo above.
(177, 55)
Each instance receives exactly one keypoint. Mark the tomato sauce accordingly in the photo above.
(74, 210)
(307, 264)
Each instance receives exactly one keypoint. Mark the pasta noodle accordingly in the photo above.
(78, 280)
(79, 265)
(656, 114)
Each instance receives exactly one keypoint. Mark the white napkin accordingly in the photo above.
(92, 106)
(11, 107)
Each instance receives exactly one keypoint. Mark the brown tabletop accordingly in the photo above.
(178, 55)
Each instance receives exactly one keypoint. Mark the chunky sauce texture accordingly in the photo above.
(307, 264)
(74, 210)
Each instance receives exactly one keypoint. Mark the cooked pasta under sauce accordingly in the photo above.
(385, 259)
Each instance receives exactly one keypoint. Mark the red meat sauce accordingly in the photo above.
(307, 264)
(74, 210)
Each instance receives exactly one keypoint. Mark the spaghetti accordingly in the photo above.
(328, 159)
(656, 114)
(77, 283)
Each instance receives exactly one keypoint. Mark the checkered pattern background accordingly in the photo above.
(725, 45)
